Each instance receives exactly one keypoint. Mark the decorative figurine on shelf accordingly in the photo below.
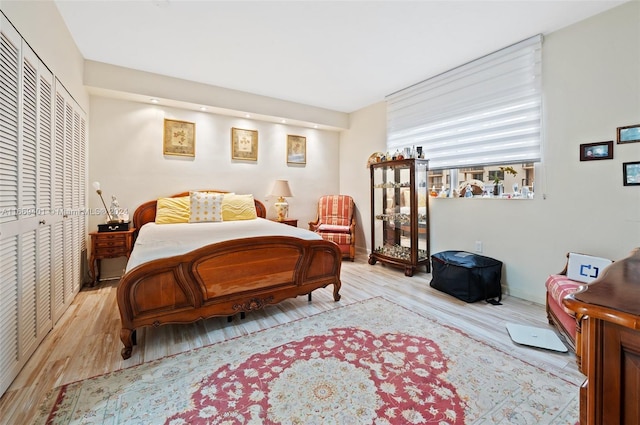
(114, 209)
(468, 191)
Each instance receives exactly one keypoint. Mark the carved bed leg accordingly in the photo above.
(336, 290)
(127, 336)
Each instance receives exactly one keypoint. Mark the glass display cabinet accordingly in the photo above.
(400, 214)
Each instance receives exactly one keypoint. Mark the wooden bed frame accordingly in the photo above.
(222, 279)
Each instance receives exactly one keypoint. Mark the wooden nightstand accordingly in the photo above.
(108, 245)
(289, 221)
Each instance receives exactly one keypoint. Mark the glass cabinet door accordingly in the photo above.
(422, 210)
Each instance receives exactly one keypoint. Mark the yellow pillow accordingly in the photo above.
(173, 210)
(205, 207)
(238, 207)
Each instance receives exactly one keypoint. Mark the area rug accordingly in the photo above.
(371, 362)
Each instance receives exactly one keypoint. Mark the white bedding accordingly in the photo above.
(166, 240)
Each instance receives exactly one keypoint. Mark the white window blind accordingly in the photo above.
(485, 112)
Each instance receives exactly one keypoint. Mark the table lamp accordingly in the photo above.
(281, 190)
(96, 186)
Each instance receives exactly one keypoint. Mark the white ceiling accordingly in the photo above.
(339, 55)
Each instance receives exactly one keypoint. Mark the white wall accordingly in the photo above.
(126, 157)
(41, 25)
(591, 86)
(130, 84)
(367, 134)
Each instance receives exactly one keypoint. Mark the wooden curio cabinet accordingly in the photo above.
(400, 214)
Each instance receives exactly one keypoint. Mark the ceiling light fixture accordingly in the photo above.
(153, 100)
(202, 108)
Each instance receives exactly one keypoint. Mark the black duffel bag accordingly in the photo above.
(467, 276)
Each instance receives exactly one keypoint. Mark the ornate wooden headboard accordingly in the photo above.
(146, 212)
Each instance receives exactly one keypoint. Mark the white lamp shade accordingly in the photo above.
(281, 189)
(96, 185)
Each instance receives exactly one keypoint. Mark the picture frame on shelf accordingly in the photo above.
(631, 173)
(296, 149)
(244, 144)
(596, 151)
(179, 138)
(629, 134)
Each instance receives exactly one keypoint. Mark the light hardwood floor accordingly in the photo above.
(85, 341)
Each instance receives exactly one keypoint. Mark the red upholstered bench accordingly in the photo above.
(579, 270)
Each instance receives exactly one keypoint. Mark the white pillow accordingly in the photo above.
(585, 268)
(205, 207)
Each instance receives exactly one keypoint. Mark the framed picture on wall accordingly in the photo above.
(629, 134)
(296, 149)
(594, 151)
(631, 173)
(244, 144)
(179, 138)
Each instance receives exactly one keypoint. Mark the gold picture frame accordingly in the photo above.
(244, 144)
(296, 149)
(179, 138)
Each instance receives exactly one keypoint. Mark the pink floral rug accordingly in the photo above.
(372, 362)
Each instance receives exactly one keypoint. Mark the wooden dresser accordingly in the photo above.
(608, 344)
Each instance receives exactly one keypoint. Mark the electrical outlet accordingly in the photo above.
(478, 246)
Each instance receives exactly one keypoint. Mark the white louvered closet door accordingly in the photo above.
(27, 192)
(10, 43)
(59, 301)
(42, 196)
(46, 217)
(69, 197)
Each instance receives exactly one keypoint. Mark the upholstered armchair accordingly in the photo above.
(336, 222)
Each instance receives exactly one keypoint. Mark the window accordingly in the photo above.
(496, 174)
(476, 117)
(519, 185)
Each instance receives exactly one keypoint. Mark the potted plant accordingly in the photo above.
(496, 180)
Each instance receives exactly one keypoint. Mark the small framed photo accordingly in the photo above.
(631, 173)
(296, 149)
(593, 151)
(629, 134)
(179, 138)
(244, 144)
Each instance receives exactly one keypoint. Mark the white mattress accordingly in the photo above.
(166, 240)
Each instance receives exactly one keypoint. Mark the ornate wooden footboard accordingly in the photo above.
(223, 279)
